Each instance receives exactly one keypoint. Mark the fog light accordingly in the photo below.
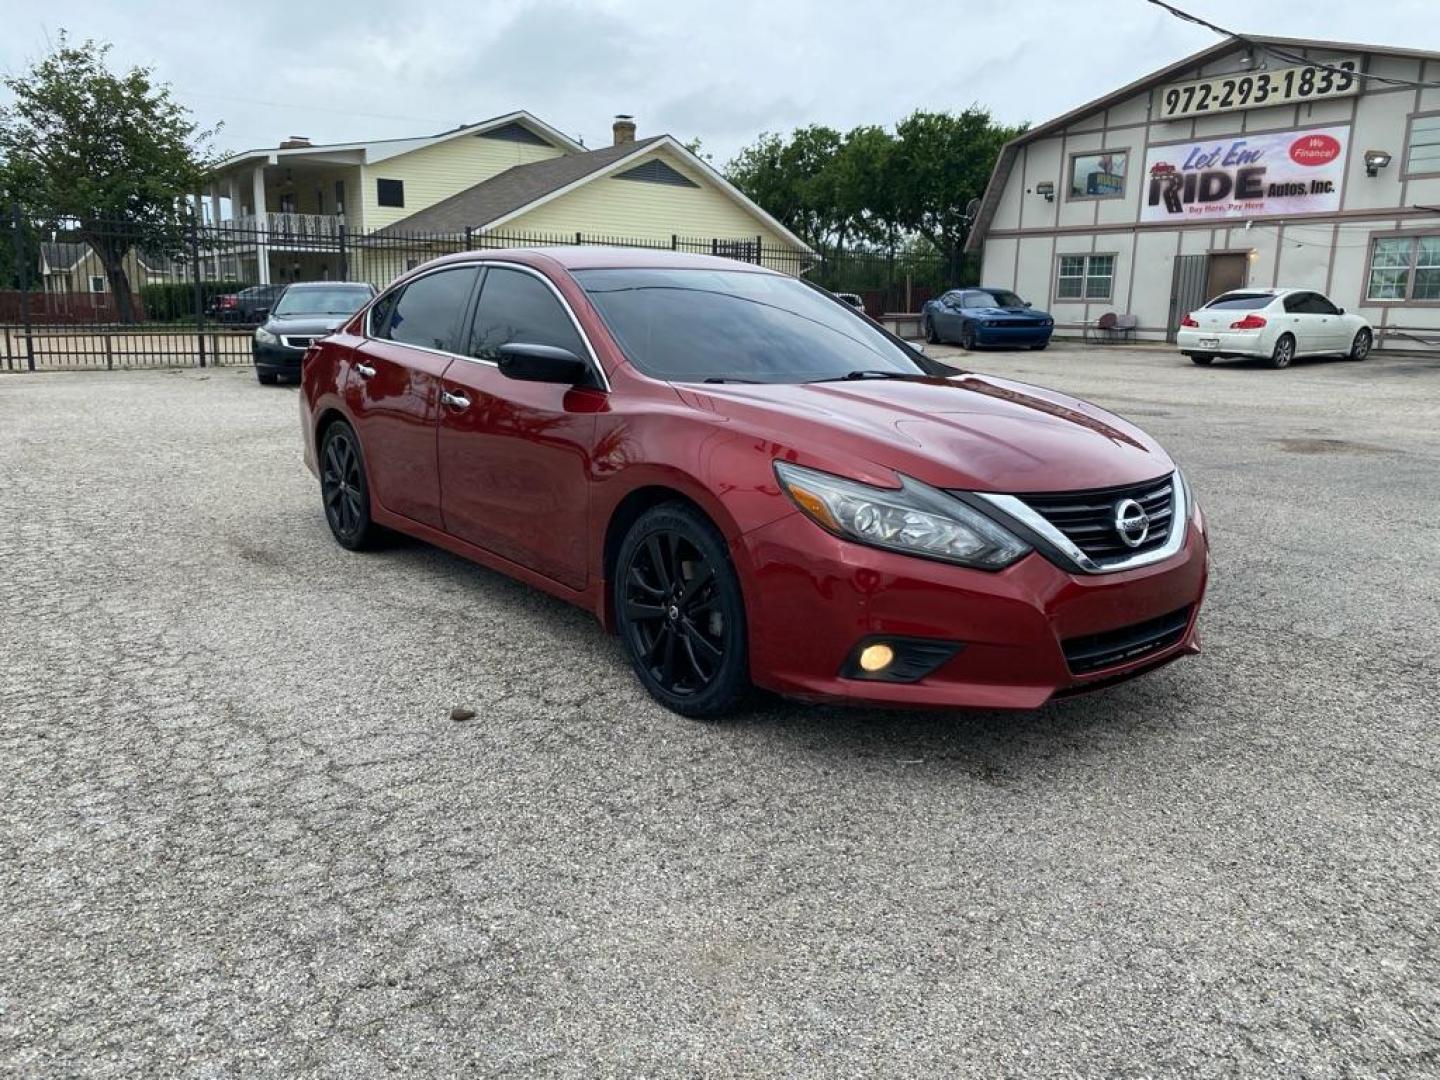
(876, 657)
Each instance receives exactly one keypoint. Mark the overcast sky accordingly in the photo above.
(339, 71)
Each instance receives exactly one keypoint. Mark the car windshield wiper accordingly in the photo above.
(728, 379)
(872, 373)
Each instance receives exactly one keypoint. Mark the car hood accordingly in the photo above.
(996, 312)
(970, 431)
(301, 325)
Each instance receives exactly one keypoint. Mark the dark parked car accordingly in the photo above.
(753, 483)
(305, 312)
(982, 316)
(249, 305)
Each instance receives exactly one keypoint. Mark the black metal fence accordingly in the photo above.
(114, 296)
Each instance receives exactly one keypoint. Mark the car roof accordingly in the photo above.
(589, 257)
(329, 285)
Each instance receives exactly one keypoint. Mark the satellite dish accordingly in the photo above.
(972, 208)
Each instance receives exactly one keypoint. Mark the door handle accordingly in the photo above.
(455, 401)
(365, 371)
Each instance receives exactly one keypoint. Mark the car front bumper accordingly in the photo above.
(811, 598)
(277, 358)
(1223, 342)
(1012, 335)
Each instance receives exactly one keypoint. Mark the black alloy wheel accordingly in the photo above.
(967, 336)
(344, 488)
(680, 613)
(1360, 347)
(930, 335)
(267, 378)
(1284, 352)
(1202, 359)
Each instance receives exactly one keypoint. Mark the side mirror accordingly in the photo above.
(541, 363)
(1026, 303)
(1339, 311)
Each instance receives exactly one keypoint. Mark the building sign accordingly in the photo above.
(1279, 173)
(1255, 89)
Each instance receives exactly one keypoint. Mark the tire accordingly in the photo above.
(930, 335)
(267, 378)
(1037, 348)
(345, 489)
(1284, 352)
(1201, 359)
(967, 336)
(680, 612)
(1360, 347)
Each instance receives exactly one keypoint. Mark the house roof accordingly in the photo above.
(522, 188)
(1006, 161)
(62, 256)
(513, 189)
(373, 150)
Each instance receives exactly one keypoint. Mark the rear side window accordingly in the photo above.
(428, 312)
(1241, 301)
(518, 308)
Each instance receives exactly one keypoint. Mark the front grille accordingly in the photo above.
(299, 342)
(1011, 322)
(1094, 652)
(1087, 518)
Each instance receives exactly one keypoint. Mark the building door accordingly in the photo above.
(1225, 272)
(1187, 290)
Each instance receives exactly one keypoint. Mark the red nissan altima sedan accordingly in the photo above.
(753, 484)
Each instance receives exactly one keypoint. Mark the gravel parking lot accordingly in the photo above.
(241, 836)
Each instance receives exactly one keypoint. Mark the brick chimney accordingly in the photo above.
(624, 128)
(294, 142)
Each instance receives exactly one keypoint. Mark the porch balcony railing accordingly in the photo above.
(283, 228)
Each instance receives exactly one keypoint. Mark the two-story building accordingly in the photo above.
(301, 211)
(1267, 162)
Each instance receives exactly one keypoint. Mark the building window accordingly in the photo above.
(97, 283)
(1422, 148)
(1405, 268)
(390, 192)
(1098, 176)
(1085, 277)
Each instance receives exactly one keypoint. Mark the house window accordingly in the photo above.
(390, 192)
(1098, 176)
(1422, 148)
(340, 198)
(287, 203)
(1085, 277)
(97, 283)
(1405, 268)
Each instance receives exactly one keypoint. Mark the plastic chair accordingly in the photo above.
(1100, 329)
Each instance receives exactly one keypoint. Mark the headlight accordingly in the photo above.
(915, 519)
(264, 337)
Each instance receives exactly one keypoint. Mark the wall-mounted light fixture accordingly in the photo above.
(1375, 160)
(1046, 190)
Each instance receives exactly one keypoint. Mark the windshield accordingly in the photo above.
(733, 325)
(1241, 301)
(341, 300)
(993, 298)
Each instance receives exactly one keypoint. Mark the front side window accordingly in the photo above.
(734, 326)
(341, 300)
(1085, 277)
(1405, 268)
(517, 308)
(429, 310)
(1422, 151)
(1097, 176)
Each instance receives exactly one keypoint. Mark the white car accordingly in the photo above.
(1275, 325)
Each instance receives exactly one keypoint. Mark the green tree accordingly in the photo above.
(795, 180)
(114, 153)
(940, 162)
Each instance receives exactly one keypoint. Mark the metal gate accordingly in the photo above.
(1187, 290)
